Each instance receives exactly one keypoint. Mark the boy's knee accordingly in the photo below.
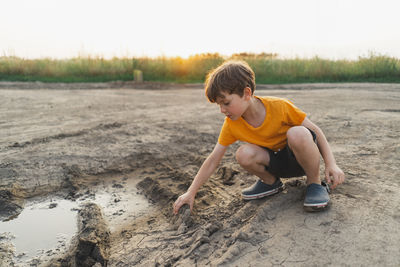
(245, 155)
(298, 136)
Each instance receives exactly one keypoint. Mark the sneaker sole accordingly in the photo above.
(265, 194)
(315, 207)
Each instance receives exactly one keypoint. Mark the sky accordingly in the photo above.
(334, 29)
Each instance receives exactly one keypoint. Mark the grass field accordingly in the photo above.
(269, 69)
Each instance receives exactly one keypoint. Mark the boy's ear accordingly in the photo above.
(247, 92)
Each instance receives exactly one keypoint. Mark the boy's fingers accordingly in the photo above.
(338, 179)
(177, 206)
(328, 180)
(335, 183)
(327, 177)
(191, 207)
(341, 178)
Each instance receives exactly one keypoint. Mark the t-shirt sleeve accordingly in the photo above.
(226, 138)
(294, 115)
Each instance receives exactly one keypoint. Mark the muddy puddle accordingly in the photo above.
(43, 227)
(47, 225)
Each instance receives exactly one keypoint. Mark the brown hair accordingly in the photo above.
(230, 77)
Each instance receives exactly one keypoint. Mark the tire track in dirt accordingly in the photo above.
(48, 139)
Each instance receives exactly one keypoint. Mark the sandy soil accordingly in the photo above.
(70, 140)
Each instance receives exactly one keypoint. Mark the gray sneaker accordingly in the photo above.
(317, 197)
(260, 190)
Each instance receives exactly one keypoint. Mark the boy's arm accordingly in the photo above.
(205, 171)
(331, 169)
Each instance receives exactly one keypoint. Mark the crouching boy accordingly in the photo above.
(280, 141)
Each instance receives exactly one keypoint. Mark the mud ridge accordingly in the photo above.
(65, 135)
(383, 110)
(10, 205)
(92, 243)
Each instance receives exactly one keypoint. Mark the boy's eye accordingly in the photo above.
(227, 103)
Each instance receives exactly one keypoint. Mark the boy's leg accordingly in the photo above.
(306, 152)
(307, 155)
(253, 159)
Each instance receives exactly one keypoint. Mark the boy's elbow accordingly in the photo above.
(312, 126)
(217, 154)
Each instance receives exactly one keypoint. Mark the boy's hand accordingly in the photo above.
(336, 173)
(186, 198)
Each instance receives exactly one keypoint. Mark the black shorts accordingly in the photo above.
(283, 164)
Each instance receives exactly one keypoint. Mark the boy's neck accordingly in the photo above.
(255, 112)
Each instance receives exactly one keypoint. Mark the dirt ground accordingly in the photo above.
(69, 140)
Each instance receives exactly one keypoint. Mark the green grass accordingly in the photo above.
(269, 69)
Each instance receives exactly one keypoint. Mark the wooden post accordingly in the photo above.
(137, 75)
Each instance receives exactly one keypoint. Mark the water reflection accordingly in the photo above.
(42, 226)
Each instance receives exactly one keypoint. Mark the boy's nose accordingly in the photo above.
(222, 109)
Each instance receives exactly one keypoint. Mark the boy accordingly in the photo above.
(280, 140)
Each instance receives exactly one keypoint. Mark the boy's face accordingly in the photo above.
(232, 105)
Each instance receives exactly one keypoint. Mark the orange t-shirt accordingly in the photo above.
(280, 115)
